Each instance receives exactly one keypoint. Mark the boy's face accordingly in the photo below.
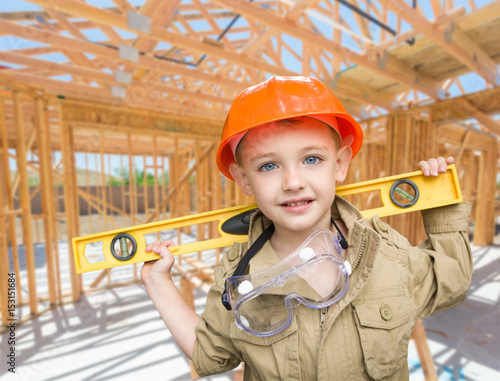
(292, 171)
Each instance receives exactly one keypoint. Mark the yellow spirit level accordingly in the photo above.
(399, 194)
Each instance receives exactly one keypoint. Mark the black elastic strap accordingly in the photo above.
(254, 249)
(343, 241)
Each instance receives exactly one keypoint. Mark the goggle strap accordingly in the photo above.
(342, 241)
(240, 269)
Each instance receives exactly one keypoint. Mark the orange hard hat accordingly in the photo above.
(281, 98)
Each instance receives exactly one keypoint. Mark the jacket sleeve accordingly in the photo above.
(440, 268)
(214, 351)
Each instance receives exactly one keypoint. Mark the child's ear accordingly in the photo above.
(344, 156)
(241, 179)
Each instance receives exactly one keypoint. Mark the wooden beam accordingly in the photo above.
(486, 102)
(297, 9)
(124, 6)
(146, 61)
(70, 198)
(174, 190)
(487, 121)
(424, 353)
(5, 215)
(394, 69)
(363, 24)
(89, 92)
(160, 12)
(10, 197)
(442, 20)
(98, 75)
(47, 194)
(160, 34)
(340, 86)
(459, 45)
(454, 135)
(24, 197)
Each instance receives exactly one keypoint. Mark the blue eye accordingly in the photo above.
(312, 160)
(267, 167)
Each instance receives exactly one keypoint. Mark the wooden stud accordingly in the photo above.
(47, 193)
(131, 180)
(4, 250)
(10, 204)
(103, 180)
(70, 198)
(25, 199)
(424, 353)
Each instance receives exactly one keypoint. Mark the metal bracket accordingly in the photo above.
(136, 21)
(123, 77)
(128, 53)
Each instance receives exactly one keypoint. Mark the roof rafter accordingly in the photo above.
(108, 52)
(342, 88)
(98, 75)
(459, 45)
(392, 68)
(164, 11)
(160, 34)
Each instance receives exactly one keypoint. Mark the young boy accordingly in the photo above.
(287, 142)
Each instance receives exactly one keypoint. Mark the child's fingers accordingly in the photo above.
(153, 247)
(167, 243)
(165, 253)
(156, 246)
(429, 167)
(165, 263)
(424, 167)
(433, 167)
(442, 165)
(158, 266)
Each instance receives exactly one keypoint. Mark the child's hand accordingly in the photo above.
(433, 167)
(161, 267)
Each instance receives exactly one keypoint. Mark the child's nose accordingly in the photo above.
(293, 180)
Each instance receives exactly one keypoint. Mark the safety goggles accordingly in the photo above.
(314, 275)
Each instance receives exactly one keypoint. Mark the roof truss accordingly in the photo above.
(192, 57)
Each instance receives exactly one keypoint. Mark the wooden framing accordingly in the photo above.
(25, 199)
(382, 71)
(401, 138)
(116, 118)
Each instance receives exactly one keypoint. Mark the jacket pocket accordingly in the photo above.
(274, 357)
(384, 324)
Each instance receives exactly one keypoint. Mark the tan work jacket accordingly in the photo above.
(363, 336)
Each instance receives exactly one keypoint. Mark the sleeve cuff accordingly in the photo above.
(449, 218)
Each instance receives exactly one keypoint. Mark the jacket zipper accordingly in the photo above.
(360, 252)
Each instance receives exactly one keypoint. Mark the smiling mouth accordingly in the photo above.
(296, 203)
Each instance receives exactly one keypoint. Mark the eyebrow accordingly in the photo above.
(314, 148)
(271, 154)
(260, 157)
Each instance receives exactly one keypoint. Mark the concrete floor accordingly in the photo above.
(116, 334)
(465, 341)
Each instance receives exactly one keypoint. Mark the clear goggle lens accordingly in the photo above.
(313, 275)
